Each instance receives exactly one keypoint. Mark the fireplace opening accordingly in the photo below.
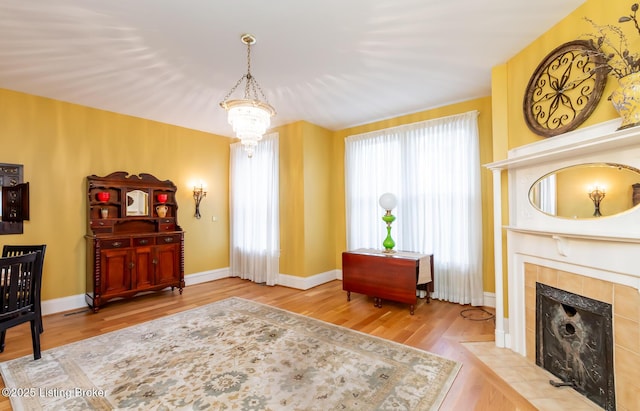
(574, 341)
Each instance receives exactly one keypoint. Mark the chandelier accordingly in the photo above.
(250, 117)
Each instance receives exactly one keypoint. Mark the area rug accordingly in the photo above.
(233, 354)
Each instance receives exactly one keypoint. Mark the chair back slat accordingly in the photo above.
(14, 250)
(19, 278)
(20, 284)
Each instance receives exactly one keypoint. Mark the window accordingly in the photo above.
(433, 168)
(254, 212)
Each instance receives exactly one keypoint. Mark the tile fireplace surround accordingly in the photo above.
(595, 257)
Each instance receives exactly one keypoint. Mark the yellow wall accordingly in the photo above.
(291, 199)
(484, 106)
(306, 216)
(500, 128)
(319, 216)
(60, 144)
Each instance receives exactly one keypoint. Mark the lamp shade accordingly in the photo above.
(388, 201)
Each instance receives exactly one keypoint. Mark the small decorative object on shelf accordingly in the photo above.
(104, 212)
(162, 198)
(103, 196)
(162, 211)
(388, 202)
(612, 46)
(626, 100)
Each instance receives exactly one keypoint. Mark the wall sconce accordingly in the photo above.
(596, 195)
(198, 195)
(388, 202)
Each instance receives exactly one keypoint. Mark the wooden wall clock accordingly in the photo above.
(564, 89)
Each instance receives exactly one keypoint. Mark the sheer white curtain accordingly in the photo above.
(548, 198)
(543, 194)
(254, 212)
(433, 168)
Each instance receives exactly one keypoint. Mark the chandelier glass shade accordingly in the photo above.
(250, 116)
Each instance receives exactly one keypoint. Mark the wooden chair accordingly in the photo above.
(19, 293)
(15, 250)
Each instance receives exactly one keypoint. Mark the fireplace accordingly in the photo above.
(592, 257)
(574, 341)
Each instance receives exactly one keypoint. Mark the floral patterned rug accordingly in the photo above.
(233, 354)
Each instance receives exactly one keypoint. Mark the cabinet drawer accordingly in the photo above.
(168, 239)
(166, 224)
(101, 223)
(142, 241)
(115, 243)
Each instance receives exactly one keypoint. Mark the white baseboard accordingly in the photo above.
(57, 305)
(205, 276)
(502, 336)
(305, 283)
(500, 339)
(490, 299)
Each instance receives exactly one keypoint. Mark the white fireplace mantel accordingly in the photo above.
(604, 248)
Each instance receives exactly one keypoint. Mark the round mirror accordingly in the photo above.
(590, 190)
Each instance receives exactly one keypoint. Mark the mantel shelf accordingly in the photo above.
(579, 236)
(582, 142)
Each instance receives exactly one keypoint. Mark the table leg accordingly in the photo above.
(348, 295)
(412, 308)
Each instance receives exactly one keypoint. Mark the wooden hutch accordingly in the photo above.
(134, 242)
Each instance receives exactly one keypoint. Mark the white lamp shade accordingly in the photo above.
(388, 201)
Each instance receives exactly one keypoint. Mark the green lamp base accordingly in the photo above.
(388, 242)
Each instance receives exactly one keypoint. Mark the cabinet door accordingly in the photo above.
(143, 272)
(167, 261)
(115, 271)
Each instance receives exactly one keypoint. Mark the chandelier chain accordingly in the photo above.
(234, 88)
(251, 84)
(249, 76)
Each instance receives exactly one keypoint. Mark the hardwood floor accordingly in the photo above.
(437, 327)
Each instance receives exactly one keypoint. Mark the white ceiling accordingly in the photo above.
(334, 63)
